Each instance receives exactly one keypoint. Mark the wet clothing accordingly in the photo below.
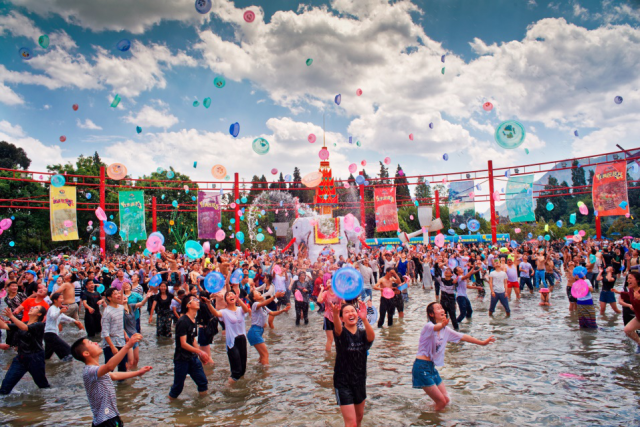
(30, 357)
(350, 370)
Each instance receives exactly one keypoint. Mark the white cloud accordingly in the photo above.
(88, 124)
(21, 26)
(40, 154)
(150, 117)
(8, 96)
(580, 12)
(117, 15)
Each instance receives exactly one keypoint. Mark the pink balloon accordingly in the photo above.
(582, 233)
(628, 215)
(410, 216)
(220, 235)
(90, 222)
(472, 194)
(517, 230)
(162, 249)
(101, 215)
(346, 184)
(269, 230)
(311, 138)
(411, 136)
(68, 224)
(274, 171)
(154, 243)
(353, 168)
(387, 160)
(487, 106)
(232, 205)
(439, 240)
(117, 246)
(359, 92)
(357, 229)
(5, 224)
(584, 210)
(363, 163)
(207, 247)
(496, 196)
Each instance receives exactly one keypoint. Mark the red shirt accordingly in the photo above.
(629, 299)
(28, 304)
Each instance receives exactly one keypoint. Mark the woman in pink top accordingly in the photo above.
(327, 296)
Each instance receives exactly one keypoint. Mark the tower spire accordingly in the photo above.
(324, 142)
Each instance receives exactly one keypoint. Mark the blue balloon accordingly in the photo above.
(252, 274)
(110, 228)
(155, 280)
(100, 289)
(514, 244)
(474, 225)
(360, 179)
(338, 99)
(287, 178)
(559, 223)
(203, 6)
(236, 276)
(159, 234)
(234, 129)
(123, 45)
(240, 235)
(347, 283)
(451, 231)
(214, 282)
(530, 236)
(25, 53)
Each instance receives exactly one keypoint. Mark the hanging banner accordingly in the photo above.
(610, 189)
(461, 205)
(63, 219)
(519, 197)
(384, 199)
(132, 223)
(209, 214)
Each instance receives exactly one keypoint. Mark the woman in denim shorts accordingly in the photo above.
(433, 340)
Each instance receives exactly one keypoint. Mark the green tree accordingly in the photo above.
(423, 191)
(577, 176)
(12, 157)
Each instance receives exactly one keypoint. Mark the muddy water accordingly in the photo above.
(516, 381)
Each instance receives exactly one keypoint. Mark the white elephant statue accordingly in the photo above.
(304, 231)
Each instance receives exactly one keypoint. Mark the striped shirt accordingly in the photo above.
(113, 326)
(101, 394)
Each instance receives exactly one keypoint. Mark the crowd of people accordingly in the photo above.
(110, 296)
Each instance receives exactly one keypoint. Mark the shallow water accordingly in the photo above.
(515, 381)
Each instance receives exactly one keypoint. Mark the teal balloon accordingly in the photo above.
(206, 102)
(138, 129)
(175, 203)
(170, 174)
(260, 237)
(219, 82)
(196, 103)
(244, 200)
(260, 146)
(510, 134)
(550, 206)
(547, 237)
(240, 235)
(193, 249)
(12, 243)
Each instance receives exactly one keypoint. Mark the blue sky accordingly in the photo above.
(554, 66)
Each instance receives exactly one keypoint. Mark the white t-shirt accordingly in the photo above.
(499, 279)
(432, 343)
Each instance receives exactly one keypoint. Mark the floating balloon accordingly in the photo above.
(58, 180)
(260, 146)
(214, 282)
(234, 129)
(309, 62)
(193, 249)
(218, 171)
(287, 178)
(116, 101)
(240, 235)
(220, 235)
(353, 168)
(584, 210)
(312, 179)
(311, 138)
(360, 179)
(170, 174)
(623, 204)
(580, 289)
(526, 151)
(68, 223)
(138, 129)
(363, 163)
(430, 125)
(575, 133)
(158, 235)
(274, 171)
(445, 156)
(123, 45)
(154, 243)
(474, 225)
(451, 232)
(347, 283)
(517, 230)
(174, 203)
(323, 154)
(206, 102)
(496, 196)
(487, 106)
(249, 16)
(186, 188)
(12, 243)
(5, 224)
(572, 218)
(338, 99)
(550, 206)
(110, 228)
(411, 137)
(75, 107)
(442, 58)
(25, 53)
(260, 237)
(358, 144)
(387, 160)
(510, 134)
(203, 6)
(559, 223)
(116, 171)
(43, 41)
(196, 103)
(439, 240)
(219, 82)
(358, 92)
(617, 100)
(63, 138)
(442, 71)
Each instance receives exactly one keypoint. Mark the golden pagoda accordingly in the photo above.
(326, 198)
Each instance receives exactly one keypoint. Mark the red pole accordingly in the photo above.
(362, 208)
(438, 206)
(598, 228)
(492, 203)
(154, 214)
(236, 195)
(103, 243)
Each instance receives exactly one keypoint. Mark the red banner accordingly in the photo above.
(610, 189)
(386, 209)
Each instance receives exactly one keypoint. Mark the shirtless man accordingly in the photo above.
(540, 269)
(68, 291)
(387, 304)
(549, 271)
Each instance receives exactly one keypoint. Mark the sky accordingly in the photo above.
(554, 66)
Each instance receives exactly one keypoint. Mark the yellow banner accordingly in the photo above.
(64, 224)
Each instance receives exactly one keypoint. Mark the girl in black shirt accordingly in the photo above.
(162, 306)
(350, 371)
